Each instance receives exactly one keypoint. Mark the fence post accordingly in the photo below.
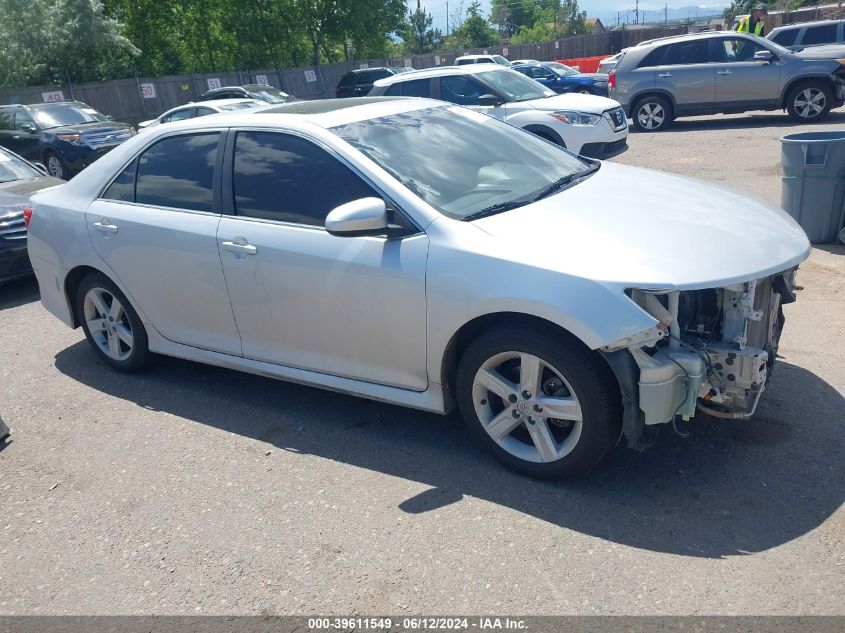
(140, 94)
(322, 83)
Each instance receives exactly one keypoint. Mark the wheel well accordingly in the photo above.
(545, 133)
(806, 80)
(72, 281)
(474, 328)
(651, 93)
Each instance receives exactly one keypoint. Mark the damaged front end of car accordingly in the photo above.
(711, 350)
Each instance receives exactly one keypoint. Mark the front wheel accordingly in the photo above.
(809, 101)
(652, 114)
(541, 404)
(56, 166)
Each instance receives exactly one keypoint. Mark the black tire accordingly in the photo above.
(814, 90)
(56, 165)
(590, 379)
(138, 355)
(658, 107)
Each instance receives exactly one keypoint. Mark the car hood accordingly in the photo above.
(632, 227)
(828, 51)
(16, 194)
(84, 128)
(580, 102)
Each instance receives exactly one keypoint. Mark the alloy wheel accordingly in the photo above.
(527, 407)
(651, 115)
(55, 167)
(108, 324)
(810, 103)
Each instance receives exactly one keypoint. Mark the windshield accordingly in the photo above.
(562, 69)
(773, 46)
(515, 86)
(240, 106)
(270, 94)
(501, 60)
(13, 168)
(480, 162)
(66, 114)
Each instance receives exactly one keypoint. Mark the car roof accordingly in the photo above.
(328, 113)
(478, 56)
(441, 71)
(801, 25)
(38, 106)
(685, 38)
(216, 103)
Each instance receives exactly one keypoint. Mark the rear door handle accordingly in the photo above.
(664, 75)
(725, 72)
(238, 247)
(104, 226)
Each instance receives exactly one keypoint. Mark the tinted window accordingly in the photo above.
(123, 187)
(21, 119)
(6, 119)
(286, 178)
(734, 50)
(179, 115)
(206, 111)
(416, 88)
(654, 58)
(67, 114)
(786, 38)
(824, 34)
(178, 172)
(538, 72)
(694, 52)
(459, 89)
(461, 62)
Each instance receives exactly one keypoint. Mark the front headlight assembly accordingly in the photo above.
(576, 118)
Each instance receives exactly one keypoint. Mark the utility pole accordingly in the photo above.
(666, 14)
(637, 13)
(447, 18)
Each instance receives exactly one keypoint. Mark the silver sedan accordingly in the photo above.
(423, 254)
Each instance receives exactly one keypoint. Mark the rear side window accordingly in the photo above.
(786, 37)
(416, 88)
(6, 121)
(682, 53)
(179, 115)
(462, 62)
(654, 58)
(178, 172)
(825, 34)
(286, 178)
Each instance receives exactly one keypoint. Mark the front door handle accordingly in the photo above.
(239, 246)
(664, 75)
(104, 226)
(725, 72)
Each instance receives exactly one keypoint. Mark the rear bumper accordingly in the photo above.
(604, 150)
(14, 260)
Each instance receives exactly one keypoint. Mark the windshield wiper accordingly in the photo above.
(567, 180)
(496, 208)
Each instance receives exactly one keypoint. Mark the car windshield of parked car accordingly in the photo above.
(515, 86)
(66, 114)
(562, 69)
(240, 106)
(13, 168)
(501, 60)
(481, 166)
(270, 94)
(772, 46)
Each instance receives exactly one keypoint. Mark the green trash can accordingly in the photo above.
(813, 189)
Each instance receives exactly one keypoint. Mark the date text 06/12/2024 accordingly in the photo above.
(416, 624)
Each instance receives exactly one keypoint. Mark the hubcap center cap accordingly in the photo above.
(523, 407)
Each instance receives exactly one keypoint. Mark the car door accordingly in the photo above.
(155, 226)
(344, 306)
(545, 77)
(19, 133)
(741, 81)
(686, 72)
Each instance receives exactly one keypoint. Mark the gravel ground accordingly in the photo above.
(191, 489)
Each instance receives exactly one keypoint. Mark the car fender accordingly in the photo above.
(819, 75)
(648, 92)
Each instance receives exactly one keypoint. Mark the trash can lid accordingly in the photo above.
(831, 136)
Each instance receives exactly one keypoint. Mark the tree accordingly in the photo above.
(475, 31)
(418, 34)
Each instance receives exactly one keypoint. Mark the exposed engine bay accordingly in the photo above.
(713, 350)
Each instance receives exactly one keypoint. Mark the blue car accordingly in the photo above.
(561, 78)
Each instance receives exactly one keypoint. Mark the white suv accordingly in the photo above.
(482, 59)
(585, 124)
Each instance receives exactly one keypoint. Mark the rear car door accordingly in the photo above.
(155, 226)
(741, 81)
(415, 88)
(346, 306)
(686, 72)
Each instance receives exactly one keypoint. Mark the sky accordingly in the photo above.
(606, 10)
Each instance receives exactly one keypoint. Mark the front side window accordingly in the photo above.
(178, 172)
(538, 72)
(735, 50)
(515, 86)
(825, 34)
(282, 177)
(481, 163)
(22, 119)
(7, 121)
(459, 89)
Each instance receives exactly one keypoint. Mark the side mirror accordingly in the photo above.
(489, 100)
(365, 216)
(108, 117)
(42, 168)
(763, 56)
(28, 128)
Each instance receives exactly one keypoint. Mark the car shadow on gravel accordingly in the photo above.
(730, 488)
(17, 293)
(750, 121)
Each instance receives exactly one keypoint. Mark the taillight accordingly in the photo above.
(611, 79)
(27, 215)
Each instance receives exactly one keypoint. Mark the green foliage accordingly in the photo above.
(475, 31)
(553, 19)
(418, 34)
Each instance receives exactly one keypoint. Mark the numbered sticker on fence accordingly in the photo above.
(148, 91)
(213, 83)
(408, 62)
(437, 60)
(51, 97)
(363, 66)
(310, 76)
(262, 79)
(505, 52)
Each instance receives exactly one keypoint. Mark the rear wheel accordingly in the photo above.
(810, 101)
(652, 114)
(111, 325)
(541, 404)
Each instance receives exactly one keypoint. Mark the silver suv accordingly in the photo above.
(722, 72)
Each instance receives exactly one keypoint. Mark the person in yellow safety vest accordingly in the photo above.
(753, 24)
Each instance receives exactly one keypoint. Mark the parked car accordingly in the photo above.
(66, 136)
(19, 179)
(378, 251)
(357, 83)
(193, 110)
(482, 59)
(807, 34)
(608, 63)
(725, 72)
(586, 124)
(519, 62)
(261, 92)
(561, 78)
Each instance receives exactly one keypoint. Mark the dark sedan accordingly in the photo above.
(561, 78)
(19, 179)
(260, 92)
